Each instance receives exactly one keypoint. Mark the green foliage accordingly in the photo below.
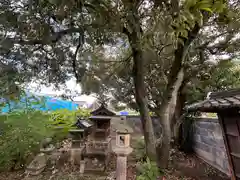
(148, 170)
(192, 14)
(66, 118)
(20, 137)
(62, 120)
(139, 150)
(23, 129)
(222, 77)
(211, 115)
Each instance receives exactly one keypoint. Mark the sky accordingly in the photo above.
(51, 91)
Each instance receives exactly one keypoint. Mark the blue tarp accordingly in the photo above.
(54, 104)
(43, 103)
(124, 113)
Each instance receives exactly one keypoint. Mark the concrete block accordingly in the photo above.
(206, 125)
(226, 165)
(197, 138)
(201, 131)
(208, 158)
(219, 152)
(221, 163)
(206, 119)
(205, 155)
(203, 147)
(212, 141)
(208, 140)
(217, 131)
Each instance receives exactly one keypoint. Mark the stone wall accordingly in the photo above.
(135, 123)
(209, 144)
(208, 140)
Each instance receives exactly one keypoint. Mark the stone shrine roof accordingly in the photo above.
(100, 117)
(218, 101)
(122, 127)
(103, 111)
(83, 124)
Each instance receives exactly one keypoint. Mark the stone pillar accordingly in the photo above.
(82, 166)
(122, 149)
(122, 153)
(121, 171)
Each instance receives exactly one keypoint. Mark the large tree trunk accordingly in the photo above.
(175, 80)
(177, 117)
(138, 77)
(142, 102)
(163, 145)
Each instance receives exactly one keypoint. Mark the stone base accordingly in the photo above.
(47, 150)
(82, 167)
(122, 151)
(34, 172)
(76, 155)
(111, 176)
(37, 165)
(94, 170)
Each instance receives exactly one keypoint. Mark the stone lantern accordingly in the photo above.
(123, 139)
(122, 149)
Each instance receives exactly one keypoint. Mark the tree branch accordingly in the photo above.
(204, 45)
(74, 64)
(46, 40)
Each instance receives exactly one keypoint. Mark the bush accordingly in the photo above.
(66, 118)
(23, 129)
(148, 170)
(20, 137)
(139, 150)
(62, 120)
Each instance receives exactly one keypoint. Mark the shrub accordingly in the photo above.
(139, 150)
(21, 135)
(148, 170)
(23, 129)
(62, 120)
(66, 118)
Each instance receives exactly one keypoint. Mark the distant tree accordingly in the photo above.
(225, 76)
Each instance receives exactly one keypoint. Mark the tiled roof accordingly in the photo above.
(83, 124)
(103, 110)
(218, 101)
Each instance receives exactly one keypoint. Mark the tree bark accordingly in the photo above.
(175, 80)
(163, 144)
(142, 102)
(177, 119)
(138, 77)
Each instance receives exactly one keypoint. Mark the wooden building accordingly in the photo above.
(227, 106)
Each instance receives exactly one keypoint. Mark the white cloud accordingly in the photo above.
(71, 88)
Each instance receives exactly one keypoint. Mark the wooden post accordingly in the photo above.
(230, 160)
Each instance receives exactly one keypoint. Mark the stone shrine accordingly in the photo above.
(98, 146)
(79, 135)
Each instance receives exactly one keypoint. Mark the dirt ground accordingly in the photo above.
(190, 167)
(182, 167)
(185, 167)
